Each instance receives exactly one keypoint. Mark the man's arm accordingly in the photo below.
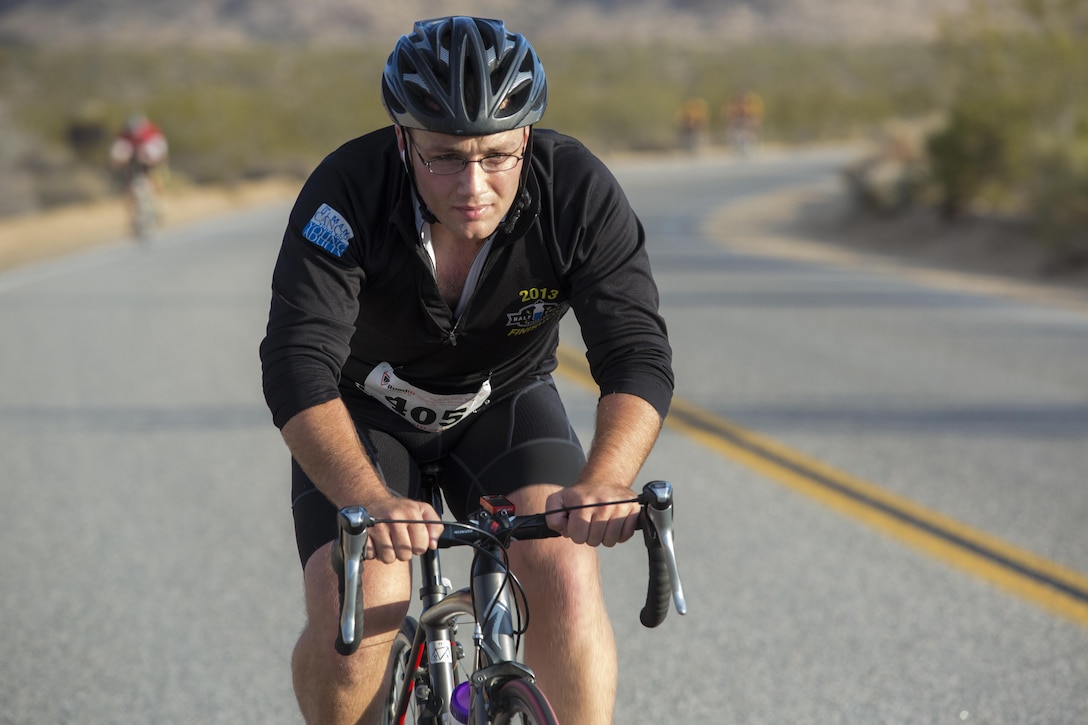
(626, 429)
(324, 442)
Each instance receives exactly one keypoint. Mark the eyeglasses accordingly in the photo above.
(448, 165)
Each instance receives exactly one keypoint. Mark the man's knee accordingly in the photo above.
(385, 592)
(557, 568)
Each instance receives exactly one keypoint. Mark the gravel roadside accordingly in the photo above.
(811, 222)
(30, 238)
(817, 223)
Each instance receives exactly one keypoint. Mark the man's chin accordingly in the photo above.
(473, 231)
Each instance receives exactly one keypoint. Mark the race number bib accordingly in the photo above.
(427, 411)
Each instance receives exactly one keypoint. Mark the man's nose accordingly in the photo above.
(472, 177)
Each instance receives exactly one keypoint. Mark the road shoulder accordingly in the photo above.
(811, 222)
(31, 238)
(816, 223)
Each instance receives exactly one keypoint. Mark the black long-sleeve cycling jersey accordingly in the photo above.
(353, 286)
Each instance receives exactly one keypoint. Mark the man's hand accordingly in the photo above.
(607, 525)
(626, 429)
(324, 442)
(388, 543)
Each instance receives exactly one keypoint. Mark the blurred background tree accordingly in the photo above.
(994, 111)
(1015, 139)
(245, 112)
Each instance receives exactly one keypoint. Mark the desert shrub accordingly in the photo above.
(1059, 196)
(1017, 72)
(982, 146)
(236, 113)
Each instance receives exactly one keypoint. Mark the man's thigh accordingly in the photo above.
(522, 440)
(315, 515)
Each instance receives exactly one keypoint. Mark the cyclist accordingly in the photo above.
(744, 117)
(415, 316)
(693, 120)
(138, 150)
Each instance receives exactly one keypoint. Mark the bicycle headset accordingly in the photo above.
(465, 76)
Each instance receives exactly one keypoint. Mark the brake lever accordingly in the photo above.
(658, 498)
(349, 551)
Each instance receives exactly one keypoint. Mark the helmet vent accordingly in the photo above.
(464, 76)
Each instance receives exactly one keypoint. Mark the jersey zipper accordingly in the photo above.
(489, 263)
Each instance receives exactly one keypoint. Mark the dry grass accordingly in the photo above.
(38, 237)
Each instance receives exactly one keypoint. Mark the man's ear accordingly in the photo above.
(400, 138)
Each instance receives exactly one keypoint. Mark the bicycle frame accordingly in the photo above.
(142, 193)
(494, 636)
(490, 601)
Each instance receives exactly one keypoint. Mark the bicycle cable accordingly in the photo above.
(503, 560)
(514, 526)
(601, 504)
(509, 578)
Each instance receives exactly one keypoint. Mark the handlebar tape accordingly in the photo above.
(658, 586)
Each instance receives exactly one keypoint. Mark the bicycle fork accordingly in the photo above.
(494, 638)
(435, 635)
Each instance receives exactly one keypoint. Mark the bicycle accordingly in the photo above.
(498, 689)
(144, 212)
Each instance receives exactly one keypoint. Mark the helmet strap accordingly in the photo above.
(524, 198)
(426, 213)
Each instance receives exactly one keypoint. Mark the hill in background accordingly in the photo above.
(214, 71)
(338, 22)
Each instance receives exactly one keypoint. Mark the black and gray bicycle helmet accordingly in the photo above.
(465, 77)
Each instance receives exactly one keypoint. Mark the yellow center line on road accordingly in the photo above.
(1034, 578)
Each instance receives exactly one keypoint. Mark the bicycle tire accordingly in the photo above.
(403, 664)
(520, 702)
(144, 212)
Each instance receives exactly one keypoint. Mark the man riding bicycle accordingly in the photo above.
(744, 117)
(415, 317)
(139, 148)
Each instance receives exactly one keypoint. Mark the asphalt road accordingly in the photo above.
(147, 568)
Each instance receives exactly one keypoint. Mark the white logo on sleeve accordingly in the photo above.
(328, 230)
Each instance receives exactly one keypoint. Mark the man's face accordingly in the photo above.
(472, 202)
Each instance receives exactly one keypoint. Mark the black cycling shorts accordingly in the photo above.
(518, 440)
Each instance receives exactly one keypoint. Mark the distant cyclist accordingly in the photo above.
(138, 151)
(693, 120)
(744, 117)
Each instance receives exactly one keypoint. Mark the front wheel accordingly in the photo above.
(144, 214)
(404, 662)
(520, 702)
